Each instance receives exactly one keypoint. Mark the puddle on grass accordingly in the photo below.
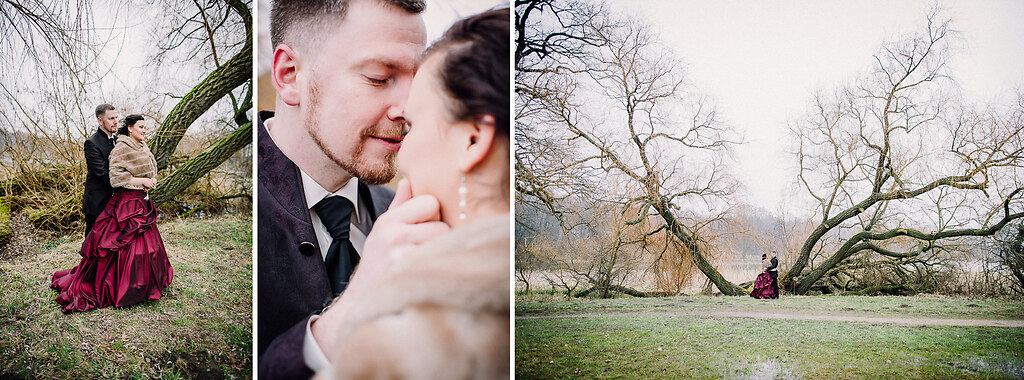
(763, 370)
(1013, 367)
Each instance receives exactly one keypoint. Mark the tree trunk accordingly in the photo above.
(215, 86)
(862, 241)
(804, 283)
(791, 276)
(606, 291)
(6, 231)
(724, 286)
(201, 164)
(891, 290)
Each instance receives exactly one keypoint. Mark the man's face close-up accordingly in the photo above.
(356, 84)
(109, 121)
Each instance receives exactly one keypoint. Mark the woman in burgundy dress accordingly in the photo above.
(123, 258)
(765, 285)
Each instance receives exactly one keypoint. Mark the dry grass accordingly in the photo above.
(201, 328)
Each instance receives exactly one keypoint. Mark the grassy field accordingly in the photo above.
(201, 328)
(667, 338)
(919, 306)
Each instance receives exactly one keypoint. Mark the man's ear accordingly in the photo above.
(480, 139)
(284, 74)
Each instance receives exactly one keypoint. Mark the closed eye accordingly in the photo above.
(376, 81)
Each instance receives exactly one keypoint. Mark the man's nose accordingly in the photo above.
(397, 100)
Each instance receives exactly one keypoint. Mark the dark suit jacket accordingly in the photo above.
(97, 180)
(292, 277)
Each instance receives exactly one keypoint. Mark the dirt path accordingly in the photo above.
(811, 316)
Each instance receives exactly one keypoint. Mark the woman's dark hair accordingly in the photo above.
(475, 71)
(130, 120)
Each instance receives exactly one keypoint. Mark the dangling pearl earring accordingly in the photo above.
(462, 198)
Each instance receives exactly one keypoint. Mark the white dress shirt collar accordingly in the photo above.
(314, 193)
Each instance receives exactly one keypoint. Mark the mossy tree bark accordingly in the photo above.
(198, 166)
(215, 86)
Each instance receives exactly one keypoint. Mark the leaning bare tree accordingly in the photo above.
(618, 106)
(898, 165)
(199, 30)
(549, 180)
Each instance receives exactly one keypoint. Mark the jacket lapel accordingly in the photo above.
(277, 168)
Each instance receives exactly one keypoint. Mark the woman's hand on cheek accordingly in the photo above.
(409, 221)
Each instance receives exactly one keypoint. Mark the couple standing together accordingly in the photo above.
(767, 283)
(123, 258)
(356, 279)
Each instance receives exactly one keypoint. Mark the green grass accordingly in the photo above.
(201, 328)
(621, 338)
(920, 306)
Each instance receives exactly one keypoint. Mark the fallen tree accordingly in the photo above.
(901, 164)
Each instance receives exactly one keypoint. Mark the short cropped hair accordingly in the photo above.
(475, 72)
(310, 15)
(102, 109)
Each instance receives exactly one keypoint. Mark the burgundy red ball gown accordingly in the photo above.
(763, 287)
(123, 258)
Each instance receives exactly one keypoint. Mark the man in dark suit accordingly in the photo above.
(97, 161)
(773, 271)
(342, 74)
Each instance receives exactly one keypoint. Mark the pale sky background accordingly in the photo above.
(129, 27)
(762, 61)
(125, 53)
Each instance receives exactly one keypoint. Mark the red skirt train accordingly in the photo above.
(123, 258)
(763, 287)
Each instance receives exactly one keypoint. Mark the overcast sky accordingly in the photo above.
(762, 61)
(132, 83)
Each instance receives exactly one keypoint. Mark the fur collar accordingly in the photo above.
(467, 268)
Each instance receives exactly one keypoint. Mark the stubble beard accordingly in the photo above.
(356, 164)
